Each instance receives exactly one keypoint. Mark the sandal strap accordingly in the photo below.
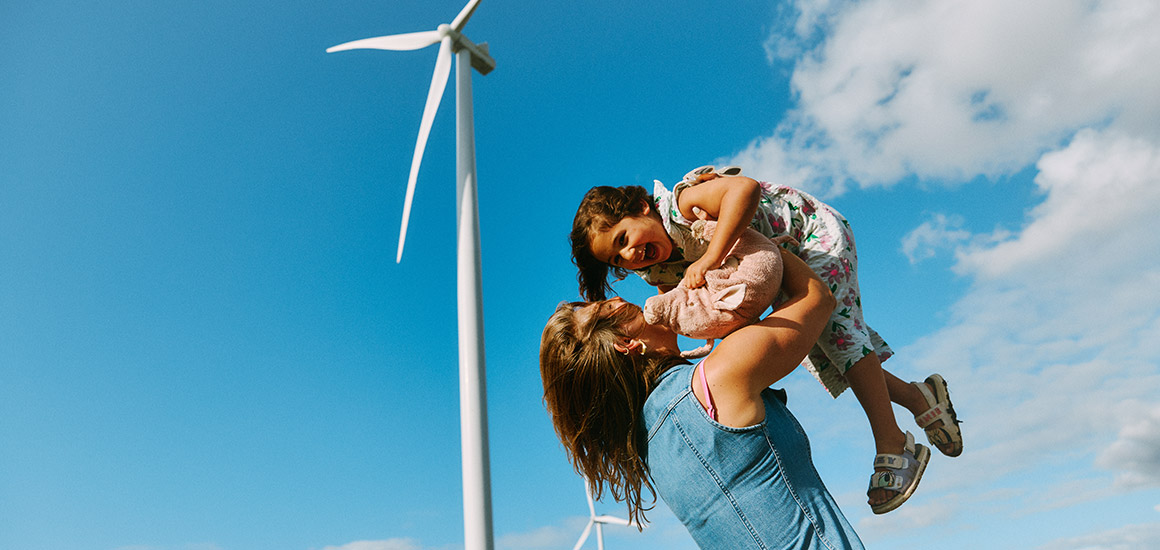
(897, 462)
(886, 480)
(938, 410)
(894, 462)
(934, 414)
(925, 390)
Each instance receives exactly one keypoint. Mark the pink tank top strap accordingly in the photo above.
(709, 407)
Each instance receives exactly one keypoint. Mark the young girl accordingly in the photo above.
(712, 439)
(625, 229)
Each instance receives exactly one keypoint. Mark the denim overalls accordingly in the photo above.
(735, 488)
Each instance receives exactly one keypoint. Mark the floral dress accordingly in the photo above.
(827, 247)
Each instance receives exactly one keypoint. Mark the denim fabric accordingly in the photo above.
(753, 487)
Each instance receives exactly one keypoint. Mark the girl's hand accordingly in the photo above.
(695, 274)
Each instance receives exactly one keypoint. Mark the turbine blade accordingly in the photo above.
(396, 42)
(464, 14)
(583, 536)
(434, 95)
(613, 519)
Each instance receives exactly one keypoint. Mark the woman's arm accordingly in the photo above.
(750, 359)
(732, 201)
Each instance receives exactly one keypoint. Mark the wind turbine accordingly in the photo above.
(598, 521)
(472, 392)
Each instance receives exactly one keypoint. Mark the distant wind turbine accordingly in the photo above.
(597, 521)
(472, 392)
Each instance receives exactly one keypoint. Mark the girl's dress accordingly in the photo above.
(739, 488)
(826, 245)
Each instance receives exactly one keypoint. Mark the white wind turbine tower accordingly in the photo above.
(598, 521)
(472, 391)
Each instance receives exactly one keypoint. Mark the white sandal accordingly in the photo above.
(905, 471)
(941, 408)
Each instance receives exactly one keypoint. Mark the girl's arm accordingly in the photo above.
(732, 201)
(750, 359)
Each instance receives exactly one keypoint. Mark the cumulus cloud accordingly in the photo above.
(907, 519)
(1131, 537)
(1055, 340)
(1101, 193)
(387, 544)
(1135, 455)
(1054, 346)
(940, 232)
(947, 89)
(1054, 350)
(549, 536)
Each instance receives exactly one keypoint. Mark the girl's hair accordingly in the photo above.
(601, 208)
(595, 396)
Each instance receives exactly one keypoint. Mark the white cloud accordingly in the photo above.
(549, 536)
(952, 89)
(388, 544)
(938, 233)
(907, 519)
(1135, 455)
(1101, 193)
(1053, 350)
(1131, 537)
(1053, 353)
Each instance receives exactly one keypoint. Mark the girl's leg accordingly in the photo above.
(907, 395)
(869, 382)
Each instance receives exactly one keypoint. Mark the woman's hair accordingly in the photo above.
(601, 208)
(595, 396)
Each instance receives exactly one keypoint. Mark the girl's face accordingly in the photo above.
(634, 242)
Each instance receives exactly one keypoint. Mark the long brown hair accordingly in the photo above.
(595, 396)
(601, 208)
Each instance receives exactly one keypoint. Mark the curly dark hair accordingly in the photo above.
(600, 209)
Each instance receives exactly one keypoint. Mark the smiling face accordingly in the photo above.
(635, 242)
(657, 339)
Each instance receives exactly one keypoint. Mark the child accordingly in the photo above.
(626, 229)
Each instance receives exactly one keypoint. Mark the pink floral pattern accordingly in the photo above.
(826, 243)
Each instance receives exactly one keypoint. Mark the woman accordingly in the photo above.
(712, 439)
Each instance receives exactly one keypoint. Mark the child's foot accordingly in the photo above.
(939, 421)
(897, 476)
(887, 445)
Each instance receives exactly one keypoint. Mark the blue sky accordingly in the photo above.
(207, 345)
